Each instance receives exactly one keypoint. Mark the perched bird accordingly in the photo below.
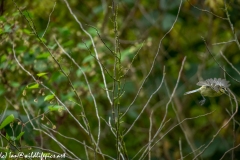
(211, 88)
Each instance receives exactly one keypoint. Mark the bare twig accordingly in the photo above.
(229, 62)
(49, 19)
(186, 119)
(229, 151)
(149, 99)
(96, 53)
(154, 60)
(217, 61)
(223, 126)
(204, 10)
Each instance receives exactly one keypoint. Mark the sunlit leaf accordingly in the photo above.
(41, 74)
(49, 97)
(33, 86)
(7, 120)
(55, 108)
(43, 55)
(27, 31)
(20, 135)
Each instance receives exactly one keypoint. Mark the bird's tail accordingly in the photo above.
(193, 91)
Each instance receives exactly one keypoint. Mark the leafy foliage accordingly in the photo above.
(101, 85)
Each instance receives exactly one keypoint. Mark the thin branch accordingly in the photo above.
(180, 148)
(150, 136)
(168, 103)
(186, 119)
(229, 62)
(40, 130)
(154, 60)
(231, 25)
(223, 42)
(89, 88)
(204, 10)
(217, 61)
(145, 106)
(223, 126)
(96, 53)
(229, 151)
(49, 19)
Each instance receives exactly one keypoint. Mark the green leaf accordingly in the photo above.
(49, 97)
(1, 31)
(88, 58)
(68, 43)
(7, 28)
(43, 55)
(33, 86)
(20, 135)
(41, 74)
(27, 31)
(84, 45)
(55, 108)
(7, 120)
(15, 84)
(7, 136)
(42, 40)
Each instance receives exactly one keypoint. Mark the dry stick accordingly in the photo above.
(203, 10)
(146, 145)
(214, 136)
(70, 138)
(65, 107)
(184, 127)
(229, 62)
(160, 85)
(217, 61)
(32, 26)
(56, 97)
(223, 42)
(170, 99)
(104, 68)
(40, 130)
(96, 53)
(85, 148)
(235, 121)
(231, 25)
(150, 136)
(180, 148)
(86, 79)
(49, 19)
(154, 60)
(53, 137)
(229, 151)
(10, 142)
(102, 40)
(133, 59)
(192, 152)
(234, 124)
(186, 119)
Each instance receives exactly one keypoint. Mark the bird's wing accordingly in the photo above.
(215, 83)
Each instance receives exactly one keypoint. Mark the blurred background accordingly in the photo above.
(142, 26)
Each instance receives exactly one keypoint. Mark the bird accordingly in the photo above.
(211, 88)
